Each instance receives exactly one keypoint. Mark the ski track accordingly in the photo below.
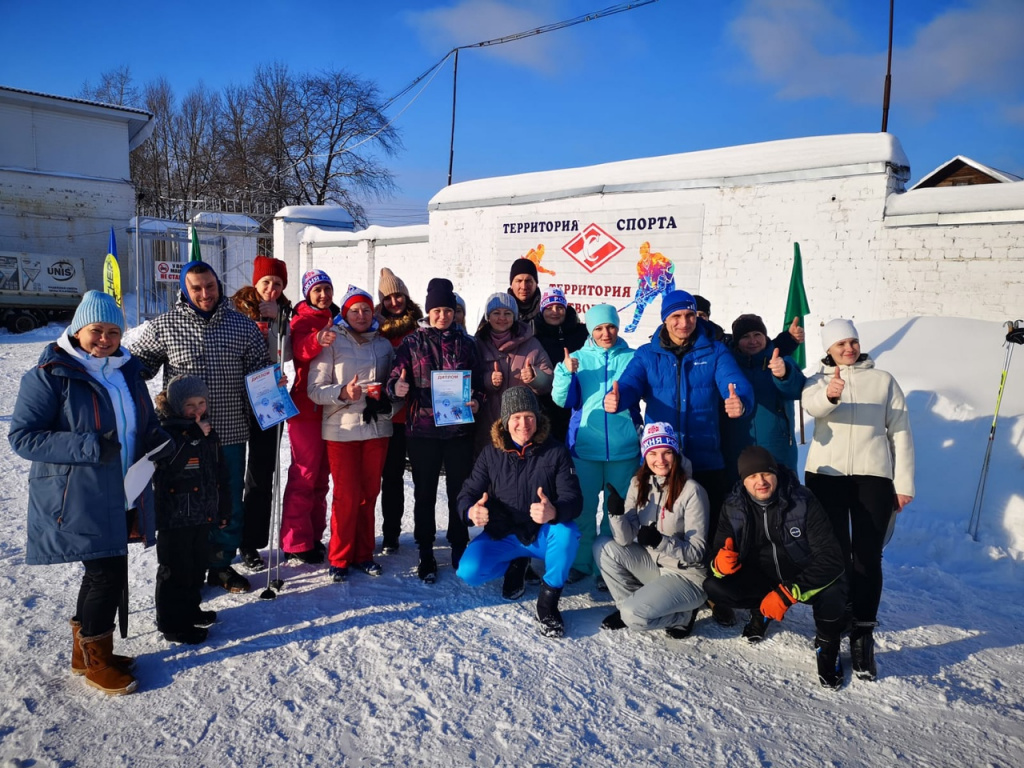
(389, 671)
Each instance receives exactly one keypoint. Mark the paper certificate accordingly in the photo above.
(450, 393)
(270, 403)
(139, 474)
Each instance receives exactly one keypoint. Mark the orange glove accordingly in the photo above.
(777, 602)
(727, 561)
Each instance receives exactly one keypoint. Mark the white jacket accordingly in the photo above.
(867, 432)
(331, 372)
(684, 526)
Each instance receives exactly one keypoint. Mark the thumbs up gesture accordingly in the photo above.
(777, 365)
(733, 405)
(836, 385)
(542, 511)
(496, 378)
(796, 331)
(527, 374)
(352, 390)
(203, 425)
(401, 386)
(611, 400)
(326, 335)
(478, 513)
(727, 561)
(571, 363)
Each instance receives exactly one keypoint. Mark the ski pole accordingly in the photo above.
(1014, 335)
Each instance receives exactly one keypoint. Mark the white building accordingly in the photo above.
(727, 220)
(64, 178)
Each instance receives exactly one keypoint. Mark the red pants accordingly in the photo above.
(355, 468)
(304, 512)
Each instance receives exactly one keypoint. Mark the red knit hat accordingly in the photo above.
(267, 265)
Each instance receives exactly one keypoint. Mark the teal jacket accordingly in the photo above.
(595, 435)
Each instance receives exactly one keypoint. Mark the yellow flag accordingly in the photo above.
(112, 278)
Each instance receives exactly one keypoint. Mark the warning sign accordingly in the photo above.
(168, 271)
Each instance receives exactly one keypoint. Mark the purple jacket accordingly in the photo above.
(425, 350)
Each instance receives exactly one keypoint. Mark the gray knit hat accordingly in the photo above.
(517, 400)
(181, 388)
(96, 307)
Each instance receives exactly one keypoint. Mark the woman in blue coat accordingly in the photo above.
(605, 446)
(83, 417)
(777, 382)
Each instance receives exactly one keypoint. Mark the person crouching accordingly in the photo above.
(524, 491)
(775, 548)
(192, 492)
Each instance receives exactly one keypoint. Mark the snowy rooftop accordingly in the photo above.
(790, 159)
(977, 203)
(383, 235)
(319, 215)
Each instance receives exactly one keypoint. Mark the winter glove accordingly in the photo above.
(616, 504)
(110, 449)
(375, 407)
(727, 561)
(649, 536)
(777, 602)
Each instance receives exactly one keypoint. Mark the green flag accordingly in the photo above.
(195, 254)
(796, 304)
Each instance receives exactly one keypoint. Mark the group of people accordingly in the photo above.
(667, 473)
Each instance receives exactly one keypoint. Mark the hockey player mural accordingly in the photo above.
(655, 276)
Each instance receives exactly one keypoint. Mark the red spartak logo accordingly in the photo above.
(593, 248)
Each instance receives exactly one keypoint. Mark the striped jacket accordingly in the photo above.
(221, 351)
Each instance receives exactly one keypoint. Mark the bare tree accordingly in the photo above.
(115, 87)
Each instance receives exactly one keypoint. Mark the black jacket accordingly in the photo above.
(791, 537)
(511, 477)
(192, 485)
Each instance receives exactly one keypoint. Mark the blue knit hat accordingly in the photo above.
(600, 314)
(676, 301)
(502, 301)
(96, 307)
(313, 278)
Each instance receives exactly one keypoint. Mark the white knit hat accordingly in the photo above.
(837, 330)
(658, 435)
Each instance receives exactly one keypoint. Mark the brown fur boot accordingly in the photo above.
(78, 658)
(100, 672)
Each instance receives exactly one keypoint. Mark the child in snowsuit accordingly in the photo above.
(192, 491)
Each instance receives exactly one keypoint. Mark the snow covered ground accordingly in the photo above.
(390, 671)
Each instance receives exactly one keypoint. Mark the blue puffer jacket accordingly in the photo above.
(687, 393)
(76, 503)
(772, 425)
(595, 435)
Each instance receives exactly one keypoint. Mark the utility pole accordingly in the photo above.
(888, 77)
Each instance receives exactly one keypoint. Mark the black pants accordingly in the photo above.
(392, 487)
(427, 455)
(748, 587)
(859, 508)
(259, 485)
(714, 482)
(100, 593)
(183, 555)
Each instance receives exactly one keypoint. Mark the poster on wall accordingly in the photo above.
(625, 257)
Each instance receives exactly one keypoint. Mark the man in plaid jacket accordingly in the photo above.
(204, 336)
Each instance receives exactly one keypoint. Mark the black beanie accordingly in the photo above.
(745, 324)
(522, 267)
(703, 305)
(756, 459)
(440, 293)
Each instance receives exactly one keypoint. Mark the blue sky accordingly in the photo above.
(672, 76)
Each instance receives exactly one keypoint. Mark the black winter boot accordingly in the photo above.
(551, 624)
(514, 585)
(830, 668)
(862, 650)
(755, 629)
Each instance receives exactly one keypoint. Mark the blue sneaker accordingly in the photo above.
(338, 574)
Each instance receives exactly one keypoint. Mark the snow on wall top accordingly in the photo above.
(969, 199)
(233, 221)
(789, 159)
(377, 233)
(320, 215)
